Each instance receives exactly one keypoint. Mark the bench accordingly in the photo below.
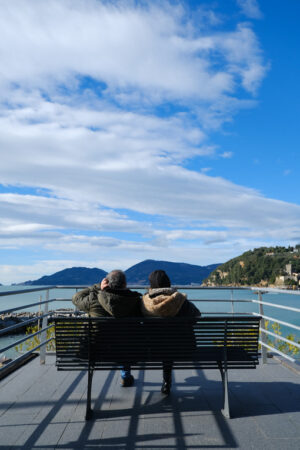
(219, 342)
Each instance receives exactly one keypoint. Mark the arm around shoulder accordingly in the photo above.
(189, 309)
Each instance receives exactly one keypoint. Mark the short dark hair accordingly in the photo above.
(159, 279)
(116, 279)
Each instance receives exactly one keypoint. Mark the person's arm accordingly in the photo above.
(189, 309)
(194, 311)
(81, 300)
(84, 299)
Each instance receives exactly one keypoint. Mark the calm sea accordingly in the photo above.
(206, 305)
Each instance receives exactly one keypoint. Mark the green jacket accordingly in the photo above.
(109, 302)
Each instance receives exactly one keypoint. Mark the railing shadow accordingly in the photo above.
(194, 394)
(176, 404)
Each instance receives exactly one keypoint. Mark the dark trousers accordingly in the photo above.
(167, 372)
(125, 372)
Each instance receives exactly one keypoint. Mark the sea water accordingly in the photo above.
(207, 301)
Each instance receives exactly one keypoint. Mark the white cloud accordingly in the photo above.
(153, 50)
(214, 251)
(250, 8)
(25, 214)
(226, 155)
(102, 106)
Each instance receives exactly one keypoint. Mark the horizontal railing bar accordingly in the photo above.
(21, 324)
(278, 321)
(220, 300)
(189, 287)
(29, 336)
(20, 358)
(280, 291)
(277, 351)
(226, 313)
(281, 338)
(25, 291)
(178, 286)
(192, 300)
(275, 305)
(17, 308)
(61, 299)
(130, 286)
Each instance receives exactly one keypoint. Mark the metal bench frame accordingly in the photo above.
(219, 342)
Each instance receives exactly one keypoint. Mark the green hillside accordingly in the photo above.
(262, 266)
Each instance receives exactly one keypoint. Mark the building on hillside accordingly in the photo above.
(288, 269)
(281, 280)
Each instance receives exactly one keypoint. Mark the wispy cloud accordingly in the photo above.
(103, 105)
(250, 8)
(226, 155)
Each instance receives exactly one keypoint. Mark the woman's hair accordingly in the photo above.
(159, 279)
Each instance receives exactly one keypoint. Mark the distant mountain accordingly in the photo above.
(72, 276)
(179, 273)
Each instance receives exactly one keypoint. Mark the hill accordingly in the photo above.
(264, 266)
(72, 276)
(179, 273)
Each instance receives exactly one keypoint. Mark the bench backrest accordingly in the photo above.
(146, 342)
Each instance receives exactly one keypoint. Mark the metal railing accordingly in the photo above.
(41, 331)
(265, 332)
(45, 315)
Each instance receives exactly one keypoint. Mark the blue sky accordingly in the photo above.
(138, 130)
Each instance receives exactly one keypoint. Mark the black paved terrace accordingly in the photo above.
(41, 408)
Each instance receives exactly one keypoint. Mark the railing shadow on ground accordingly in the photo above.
(175, 405)
(169, 405)
(207, 398)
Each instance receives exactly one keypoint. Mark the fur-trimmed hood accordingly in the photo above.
(162, 302)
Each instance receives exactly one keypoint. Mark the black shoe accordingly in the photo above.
(166, 388)
(128, 381)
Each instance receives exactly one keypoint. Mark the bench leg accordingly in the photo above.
(224, 374)
(89, 411)
(226, 410)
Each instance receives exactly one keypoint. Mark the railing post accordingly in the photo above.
(232, 302)
(39, 320)
(44, 333)
(76, 308)
(262, 327)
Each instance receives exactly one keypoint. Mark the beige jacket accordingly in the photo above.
(162, 302)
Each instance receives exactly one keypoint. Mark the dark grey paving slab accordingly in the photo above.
(41, 408)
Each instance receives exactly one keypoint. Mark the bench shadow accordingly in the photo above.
(195, 394)
(155, 403)
(250, 398)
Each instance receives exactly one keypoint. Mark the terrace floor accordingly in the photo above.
(41, 408)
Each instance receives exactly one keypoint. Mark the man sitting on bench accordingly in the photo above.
(111, 298)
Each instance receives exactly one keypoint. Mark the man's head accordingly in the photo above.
(116, 279)
(159, 279)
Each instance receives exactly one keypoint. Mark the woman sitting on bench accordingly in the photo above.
(162, 300)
